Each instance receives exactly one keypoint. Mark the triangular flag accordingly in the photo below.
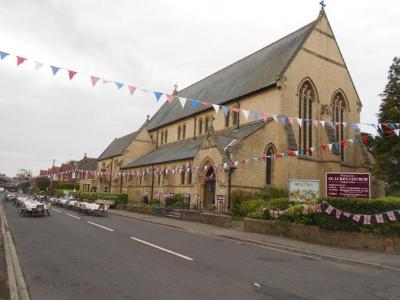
(344, 124)
(290, 120)
(315, 122)
(38, 65)
(94, 80)
(265, 116)
(397, 131)
(3, 55)
(157, 95)
(119, 84)
(216, 107)
(330, 146)
(245, 113)
(170, 98)
(300, 121)
(71, 74)
(131, 89)
(206, 103)
(354, 126)
(322, 123)
(182, 101)
(226, 110)
(20, 60)
(194, 103)
(275, 117)
(54, 70)
(323, 147)
(283, 120)
(255, 115)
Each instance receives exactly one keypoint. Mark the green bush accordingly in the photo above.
(237, 197)
(280, 203)
(269, 193)
(249, 206)
(154, 202)
(67, 186)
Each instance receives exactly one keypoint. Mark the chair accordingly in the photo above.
(39, 210)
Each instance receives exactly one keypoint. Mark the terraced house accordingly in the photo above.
(302, 75)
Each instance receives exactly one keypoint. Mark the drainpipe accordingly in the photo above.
(152, 183)
(112, 161)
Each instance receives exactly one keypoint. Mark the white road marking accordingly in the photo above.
(72, 216)
(57, 210)
(162, 249)
(106, 228)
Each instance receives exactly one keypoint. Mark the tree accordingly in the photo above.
(42, 183)
(386, 147)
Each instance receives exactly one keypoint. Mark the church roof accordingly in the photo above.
(118, 145)
(253, 73)
(188, 149)
(88, 164)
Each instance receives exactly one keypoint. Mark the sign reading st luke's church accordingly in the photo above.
(348, 185)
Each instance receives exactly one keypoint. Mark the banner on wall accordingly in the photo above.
(303, 191)
(348, 185)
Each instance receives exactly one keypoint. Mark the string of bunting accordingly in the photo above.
(388, 127)
(325, 207)
(225, 165)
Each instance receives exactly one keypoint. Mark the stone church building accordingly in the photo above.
(202, 152)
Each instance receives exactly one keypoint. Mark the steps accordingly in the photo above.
(173, 214)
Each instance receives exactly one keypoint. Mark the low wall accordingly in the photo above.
(314, 234)
(206, 218)
(148, 210)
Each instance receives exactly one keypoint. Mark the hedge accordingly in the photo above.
(117, 197)
(354, 206)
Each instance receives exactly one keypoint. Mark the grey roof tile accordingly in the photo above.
(118, 145)
(248, 75)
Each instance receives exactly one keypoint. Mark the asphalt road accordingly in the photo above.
(67, 257)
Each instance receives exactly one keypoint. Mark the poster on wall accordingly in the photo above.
(303, 191)
(348, 185)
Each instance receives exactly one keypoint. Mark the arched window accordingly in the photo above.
(206, 124)
(162, 137)
(306, 99)
(166, 136)
(183, 131)
(179, 132)
(338, 117)
(227, 117)
(269, 164)
(183, 176)
(190, 175)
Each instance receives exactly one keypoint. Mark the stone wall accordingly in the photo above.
(314, 234)
(206, 218)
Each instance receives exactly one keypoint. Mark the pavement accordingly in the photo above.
(366, 258)
(133, 256)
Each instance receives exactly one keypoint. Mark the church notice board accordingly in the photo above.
(348, 185)
(303, 191)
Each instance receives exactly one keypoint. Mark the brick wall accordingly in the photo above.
(314, 234)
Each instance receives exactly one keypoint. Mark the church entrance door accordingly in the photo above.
(209, 188)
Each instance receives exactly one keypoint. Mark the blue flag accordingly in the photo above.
(283, 120)
(194, 103)
(255, 115)
(120, 85)
(226, 110)
(158, 95)
(3, 55)
(54, 69)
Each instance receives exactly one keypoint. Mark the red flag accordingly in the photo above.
(170, 98)
(324, 147)
(71, 74)
(364, 139)
(131, 89)
(206, 103)
(20, 60)
(94, 80)
(343, 143)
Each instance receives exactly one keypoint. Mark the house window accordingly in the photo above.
(206, 125)
(179, 132)
(166, 136)
(227, 117)
(183, 131)
(306, 99)
(162, 137)
(140, 178)
(338, 117)
(269, 165)
(200, 126)
(159, 178)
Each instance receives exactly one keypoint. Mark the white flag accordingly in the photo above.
(330, 146)
(182, 101)
(300, 121)
(38, 65)
(245, 113)
(216, 107)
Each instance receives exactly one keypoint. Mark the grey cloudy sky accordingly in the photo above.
(153, 44)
